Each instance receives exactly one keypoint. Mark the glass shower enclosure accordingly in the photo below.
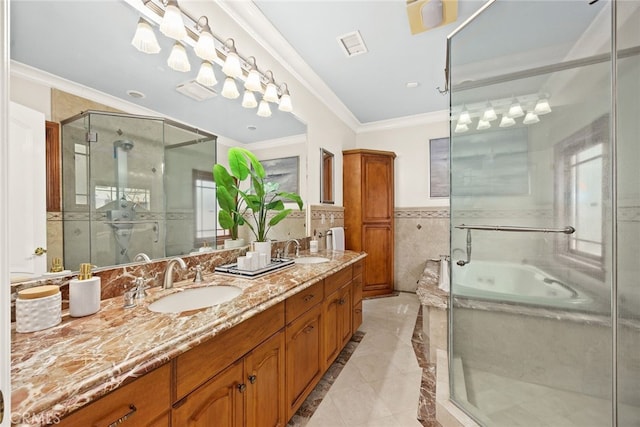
(545, 214)
(134, 184)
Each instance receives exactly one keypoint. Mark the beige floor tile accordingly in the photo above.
(359, 404)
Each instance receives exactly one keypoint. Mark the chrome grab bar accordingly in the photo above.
(566, 230)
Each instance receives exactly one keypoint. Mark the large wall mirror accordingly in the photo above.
(326, 176)
(54, 41)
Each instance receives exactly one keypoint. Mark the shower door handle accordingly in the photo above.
(565, 230)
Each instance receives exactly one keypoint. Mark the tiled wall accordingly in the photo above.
(420, 234)
(323, 217)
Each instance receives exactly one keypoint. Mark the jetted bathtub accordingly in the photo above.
(514, 283)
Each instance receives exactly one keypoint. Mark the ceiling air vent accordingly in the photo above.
(195, 90)
(352, 44)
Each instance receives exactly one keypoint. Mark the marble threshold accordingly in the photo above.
(59, 370)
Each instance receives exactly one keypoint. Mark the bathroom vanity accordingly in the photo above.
(250, 361)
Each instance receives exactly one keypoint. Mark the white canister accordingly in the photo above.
(313, 246)
(38, 308)
(84, 293)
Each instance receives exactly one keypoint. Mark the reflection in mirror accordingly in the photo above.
(326, 176)
(128, 187)
(43, 66)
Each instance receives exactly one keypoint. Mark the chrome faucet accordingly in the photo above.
(286, 247)
(168, 272)
(141, 257)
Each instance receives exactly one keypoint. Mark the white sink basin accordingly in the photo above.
(193, 299)
(311, 260)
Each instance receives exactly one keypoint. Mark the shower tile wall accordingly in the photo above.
(420, 234)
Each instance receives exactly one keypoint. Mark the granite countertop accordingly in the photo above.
(58, 370)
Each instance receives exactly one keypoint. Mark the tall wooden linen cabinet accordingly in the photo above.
(368, 215)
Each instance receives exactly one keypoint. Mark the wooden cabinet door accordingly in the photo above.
(377, 195)
(218, 402)
(378, 270)
(336, 322)
(131, 405)
(265, 379)
(303, 357)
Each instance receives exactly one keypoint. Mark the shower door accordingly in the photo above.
(531, 215)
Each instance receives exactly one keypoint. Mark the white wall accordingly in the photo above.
(411, 145)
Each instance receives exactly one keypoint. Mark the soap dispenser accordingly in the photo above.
(84, 293)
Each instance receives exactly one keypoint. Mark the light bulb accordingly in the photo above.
(263, 109)
(542, 107)
(465, 118)
(249, 100)
(172, 25)
(253, 81)
(230, 90)
(515, 110)
(483, 124)
(285, 103)
(530, 118)
(271, 93)
(506, 121)
(206, 47)
(206, 76)
(145, 39)
(231, 66)
(461, 128)
(489, 114)
(178, 58)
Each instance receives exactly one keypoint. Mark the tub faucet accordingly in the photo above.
(286, 247)
(168, 272)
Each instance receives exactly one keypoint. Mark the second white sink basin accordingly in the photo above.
(193, 299)
(311, 260)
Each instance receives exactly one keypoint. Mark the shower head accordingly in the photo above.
(125, 144)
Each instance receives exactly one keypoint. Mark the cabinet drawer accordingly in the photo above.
(357, 316)
(303, 301)
(143, 402)
(357, 268)
(197, 365)
(357, 289)
(339, 279)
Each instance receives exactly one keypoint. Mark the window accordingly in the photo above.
(206, 210)
(581, 195)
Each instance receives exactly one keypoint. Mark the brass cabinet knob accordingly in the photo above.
(252, 379)
(40, 251)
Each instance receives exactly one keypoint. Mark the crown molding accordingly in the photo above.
(279, 142)
(404, 122)
(252, 20)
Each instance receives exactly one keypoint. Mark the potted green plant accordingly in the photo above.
(257, 201)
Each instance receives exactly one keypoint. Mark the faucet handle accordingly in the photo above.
(198, 276)
(140, 288)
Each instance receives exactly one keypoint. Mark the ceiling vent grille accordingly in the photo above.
(352, 44)
(195, 90)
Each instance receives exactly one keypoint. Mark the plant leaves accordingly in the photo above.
(279, 217)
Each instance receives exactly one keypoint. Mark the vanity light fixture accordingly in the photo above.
(263, 109)
(285, 99)
(271, 92)
(483, 124)
(231, 66)
(489, 113)
(144, 38)
(213, 50)
(465, 117)
(172, 25)
(249, 99)
(253, 78)
(205, 47)
(530, 118)
(506, 121)
(542, 107)
(229, 89)
(515, 109)
(178, 58)
(206, 76)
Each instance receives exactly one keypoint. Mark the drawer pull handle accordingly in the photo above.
(125, 417)
(242, 387)
(341, 301)
(308, 329)
(252, 379)
(309, 297)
